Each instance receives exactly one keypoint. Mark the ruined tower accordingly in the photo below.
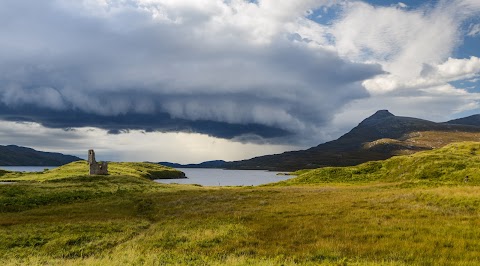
(91, 157)
(96, 168)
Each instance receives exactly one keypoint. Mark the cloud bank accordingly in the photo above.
(243, 70)
(226, 69)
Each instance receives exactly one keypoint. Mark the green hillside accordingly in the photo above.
(451, 164)
(80, 168)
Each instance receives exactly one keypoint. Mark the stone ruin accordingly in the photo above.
(100, 168)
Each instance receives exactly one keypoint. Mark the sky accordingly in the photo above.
(195, 80)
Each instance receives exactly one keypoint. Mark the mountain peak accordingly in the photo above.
(376, 117)
(378, 137)
(381, 114)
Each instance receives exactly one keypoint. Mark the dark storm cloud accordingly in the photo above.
(146, 122)
(69, 64)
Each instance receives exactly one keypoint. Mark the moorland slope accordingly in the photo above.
(453, 164)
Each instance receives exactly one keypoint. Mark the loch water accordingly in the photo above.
(221, 177)
(27, 168)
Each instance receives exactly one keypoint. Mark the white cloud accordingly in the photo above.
(455, 69)
(402, 41)
(431, 76)
(474, 30)
(463, 7)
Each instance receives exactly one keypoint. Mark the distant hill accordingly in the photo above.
(378, 137)
(208, 164)
(13, 155)
(473, 120)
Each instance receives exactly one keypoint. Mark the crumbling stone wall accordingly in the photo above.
(96, 168)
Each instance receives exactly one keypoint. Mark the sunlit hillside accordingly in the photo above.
(455, 163)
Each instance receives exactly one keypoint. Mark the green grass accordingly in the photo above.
(127, 220)
(447, 165)
(380, 223)
(81, 168)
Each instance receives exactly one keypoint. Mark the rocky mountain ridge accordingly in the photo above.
(378, 137)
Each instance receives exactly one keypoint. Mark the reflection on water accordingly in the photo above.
(27, 168)
(220, 177)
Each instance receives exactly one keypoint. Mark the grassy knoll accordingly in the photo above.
(80, 168)
(447, 165)
(420, 141)
(126, 220)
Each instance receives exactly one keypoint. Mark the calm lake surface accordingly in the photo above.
(220, 177)
(27, 168)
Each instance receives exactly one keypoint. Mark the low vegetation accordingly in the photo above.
(453, 164)
(420, 141)
(81, 168)
(409, 210)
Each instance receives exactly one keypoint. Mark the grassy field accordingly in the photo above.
(130, 220)
(81, 168)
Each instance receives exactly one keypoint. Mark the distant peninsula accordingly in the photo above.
(207, 164)
(12, 155)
